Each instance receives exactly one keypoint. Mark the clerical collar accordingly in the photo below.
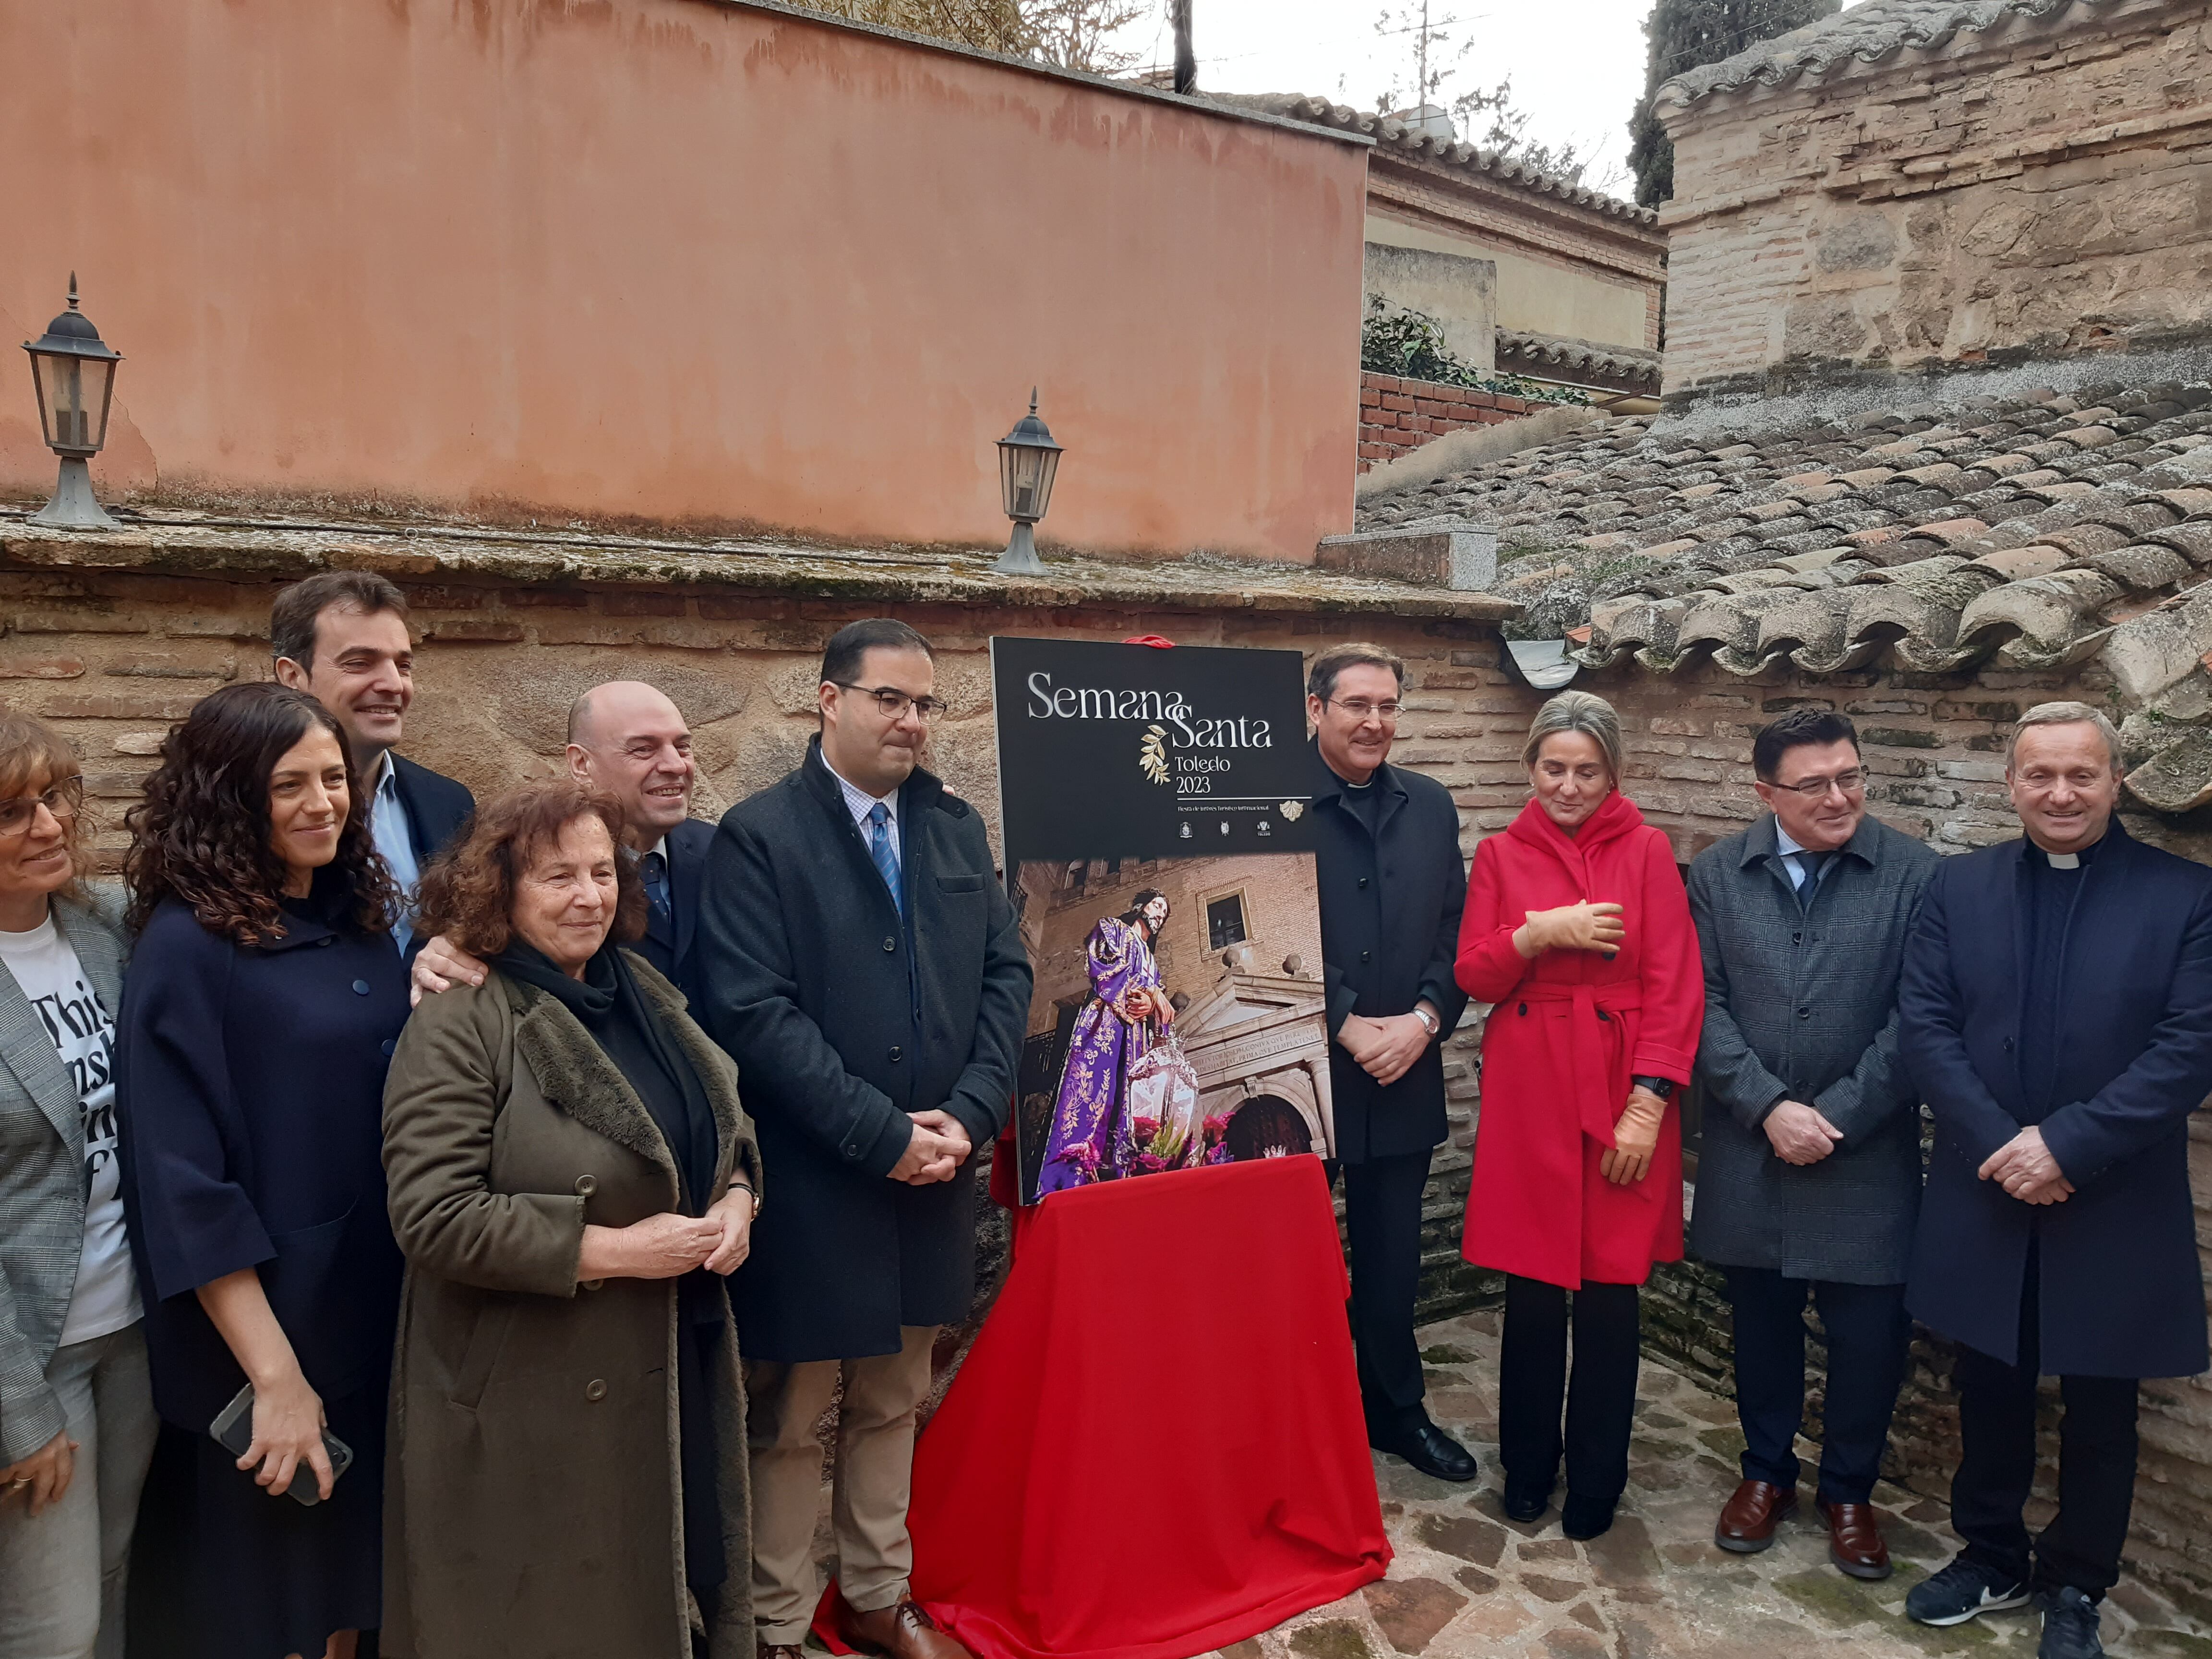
(1349, 784)
(2068, 860)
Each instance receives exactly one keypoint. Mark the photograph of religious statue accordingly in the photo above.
(1179, 1019)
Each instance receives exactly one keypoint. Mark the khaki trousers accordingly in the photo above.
(872, 1479)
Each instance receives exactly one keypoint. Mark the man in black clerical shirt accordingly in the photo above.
(1392, 886)
(2055, 1010)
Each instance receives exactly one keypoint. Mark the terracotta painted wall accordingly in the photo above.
(677, 259)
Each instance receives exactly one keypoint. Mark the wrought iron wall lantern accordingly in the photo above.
(73, 371)
(1028, 458)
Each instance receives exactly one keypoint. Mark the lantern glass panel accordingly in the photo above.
(1025, 473)
(73, 394)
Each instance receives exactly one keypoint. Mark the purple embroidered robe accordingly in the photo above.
(1090, 1133)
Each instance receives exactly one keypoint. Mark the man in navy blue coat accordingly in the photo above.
(2056, 1012)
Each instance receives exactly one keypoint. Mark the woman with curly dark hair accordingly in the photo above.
(263, 1000)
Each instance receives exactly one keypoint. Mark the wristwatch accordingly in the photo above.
(1428, 1021)
(1661, 1086)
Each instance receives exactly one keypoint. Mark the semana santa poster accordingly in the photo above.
(1159, 853)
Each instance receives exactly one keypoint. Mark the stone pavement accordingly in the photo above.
(1466, 1581)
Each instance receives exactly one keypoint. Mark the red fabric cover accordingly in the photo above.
(1569, 1030)
(1155, 1448)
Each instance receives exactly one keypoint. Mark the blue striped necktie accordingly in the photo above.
(881, 850)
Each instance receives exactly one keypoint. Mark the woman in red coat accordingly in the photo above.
(1577, 930)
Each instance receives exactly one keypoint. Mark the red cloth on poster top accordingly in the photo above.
(1155, 1448)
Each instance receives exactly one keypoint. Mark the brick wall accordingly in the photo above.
(1398, 416)
(2030, 188)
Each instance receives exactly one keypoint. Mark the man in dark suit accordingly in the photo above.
(1808, 1179)
(627, 738)
(2056, 1014)
(859, 958)
(1392, 886)
(340, 637)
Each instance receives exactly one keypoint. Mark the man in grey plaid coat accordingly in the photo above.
(1808, 1178)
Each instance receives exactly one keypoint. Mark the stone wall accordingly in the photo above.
(2037, 185)
(1398, 416)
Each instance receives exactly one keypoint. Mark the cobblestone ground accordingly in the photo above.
(1467, 1581)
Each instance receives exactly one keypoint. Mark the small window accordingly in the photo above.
(1224, 922)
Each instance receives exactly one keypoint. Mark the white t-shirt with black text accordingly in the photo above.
(83, 1032)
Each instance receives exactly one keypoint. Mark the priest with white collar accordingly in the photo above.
(2056, 1012)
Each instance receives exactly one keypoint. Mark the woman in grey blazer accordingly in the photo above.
(76, 1413)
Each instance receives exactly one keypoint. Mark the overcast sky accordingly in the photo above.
(1577, 65)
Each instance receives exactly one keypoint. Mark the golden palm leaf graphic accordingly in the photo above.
(1152, 754)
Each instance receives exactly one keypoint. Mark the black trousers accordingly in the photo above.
(1382, 1221)
(2081, 1545)
(1600, 1400)
(1868, 1332)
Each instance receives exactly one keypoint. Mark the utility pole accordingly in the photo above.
(1186, 57)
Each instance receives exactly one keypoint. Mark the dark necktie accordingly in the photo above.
(1809, 867)
(880, 849)
(653, 868)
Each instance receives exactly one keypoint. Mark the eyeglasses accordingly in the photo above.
(1849, 782)
(1360, 708)
(63, 800)
(895, 702)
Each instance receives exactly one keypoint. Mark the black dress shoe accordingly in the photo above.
(1428, 1449)
(1586, 1518)
(1525, 1501)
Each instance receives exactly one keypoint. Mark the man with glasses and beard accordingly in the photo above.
(1809, 1176)
(859, 958)
(1392, 884)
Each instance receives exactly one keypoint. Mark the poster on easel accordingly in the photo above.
(1159, 857)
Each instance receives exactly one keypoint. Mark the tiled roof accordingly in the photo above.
(2027, 532)
(1392, 134)
(1582, 361)
(1867, 32)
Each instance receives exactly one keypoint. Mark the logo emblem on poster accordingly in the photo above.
(1292, 810)
(1186, 832)
(1152, 754)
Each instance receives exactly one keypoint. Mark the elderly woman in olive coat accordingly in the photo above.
(570, 1175)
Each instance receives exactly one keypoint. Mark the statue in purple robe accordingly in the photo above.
(1092, 1137)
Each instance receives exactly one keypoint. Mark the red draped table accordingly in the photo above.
(1155, 1447)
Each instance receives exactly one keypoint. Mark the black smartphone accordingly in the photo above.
(233, 1432)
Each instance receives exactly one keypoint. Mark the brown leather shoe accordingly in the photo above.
(905, 1632)
(1855, 1542)
(1748, 1519)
